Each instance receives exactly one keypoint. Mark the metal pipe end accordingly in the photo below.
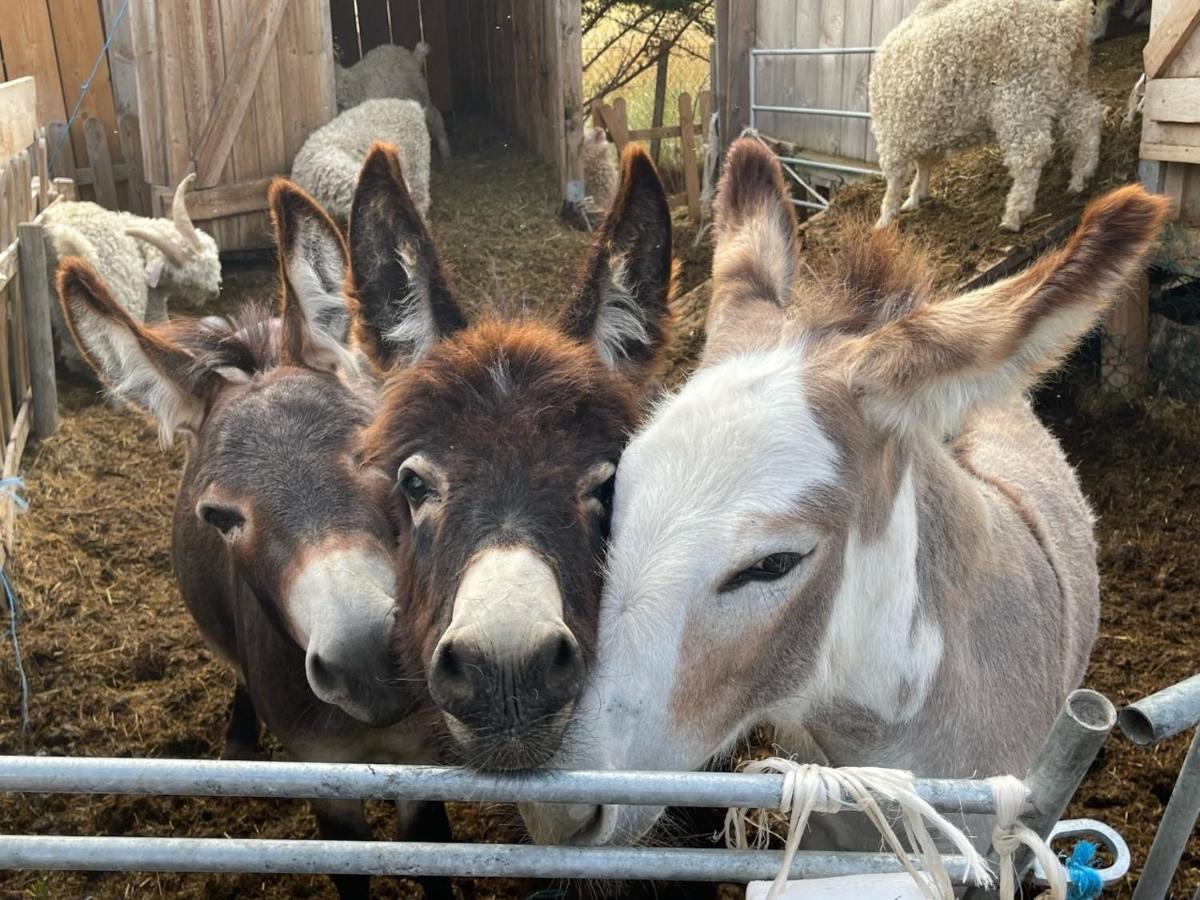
(1091, 710)
(1136, 726)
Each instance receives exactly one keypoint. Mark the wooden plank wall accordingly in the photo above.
(405, 22)
(1171, 117)
(825, 82)
(58, 42)
(184, 52)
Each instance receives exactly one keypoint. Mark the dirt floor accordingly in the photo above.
(116, 667)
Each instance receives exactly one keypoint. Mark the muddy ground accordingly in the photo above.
(116, 667)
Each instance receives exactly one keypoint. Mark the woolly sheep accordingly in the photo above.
(143, 261)
(328, 164)
(956, 72)
(599, 168)
(394, 73)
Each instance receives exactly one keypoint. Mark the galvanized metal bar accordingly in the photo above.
(811, 111)
(338, 781)
(832, 167)
(806, 204)
(1074, 740)
(811, 51)
(752, 124)
(1173, 831)
(1164, 714)
(124, 854)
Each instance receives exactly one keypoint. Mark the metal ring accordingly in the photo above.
(1098, 831)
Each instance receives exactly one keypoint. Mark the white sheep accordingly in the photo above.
(328, 164)
(599, 168)
(957, 72)
(395, 73)
(144, 262)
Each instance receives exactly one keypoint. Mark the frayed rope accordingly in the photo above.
(809, 788)
(1009, 836)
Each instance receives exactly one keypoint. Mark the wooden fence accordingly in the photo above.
(815, 82)
(689, 132)
(28, 395)
(58, 42)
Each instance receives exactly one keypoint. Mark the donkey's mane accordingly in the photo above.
(247, 340)
(876, 276)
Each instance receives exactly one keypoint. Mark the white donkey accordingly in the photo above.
(849, 525)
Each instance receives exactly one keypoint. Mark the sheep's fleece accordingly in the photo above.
(600, 174)
(957, 72)
(328, 164)
(388, 72)
(137, 274)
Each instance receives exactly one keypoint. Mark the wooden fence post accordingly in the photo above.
(687, 143)
(96, 136)
(35, 295)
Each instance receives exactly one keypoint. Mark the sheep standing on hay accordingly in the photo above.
(389, 72)
(599, 168)
(143, 262)
(328, 164)
(958, 71)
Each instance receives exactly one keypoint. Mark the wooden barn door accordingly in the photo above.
(234, 87)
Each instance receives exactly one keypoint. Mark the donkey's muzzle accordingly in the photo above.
(498, 688)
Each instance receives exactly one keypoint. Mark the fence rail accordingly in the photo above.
(338, 781)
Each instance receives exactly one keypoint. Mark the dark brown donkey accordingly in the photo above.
(502, 440)
(283, 542)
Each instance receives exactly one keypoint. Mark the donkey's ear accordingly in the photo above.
(622, 305)
(930, 367)
(313, 264)
(136, 363)
(754, 247)
(404, 305)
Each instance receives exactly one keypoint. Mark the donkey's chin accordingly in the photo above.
(509, 748)
(581, 825)
(378, 709)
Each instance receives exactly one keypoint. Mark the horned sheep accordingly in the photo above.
(144, 262)
(328, 164)
(389, 72)
(956, 72)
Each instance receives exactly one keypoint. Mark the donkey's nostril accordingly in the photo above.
(456, 678)
(559, 664)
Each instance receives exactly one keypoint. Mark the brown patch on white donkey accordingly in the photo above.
(849, 525)
(501, 439)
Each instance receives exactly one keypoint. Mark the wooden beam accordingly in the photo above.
(219, 202)
(18, 116)
(687, 143)
(35, 295)
(736, 57)
(1170, 152)
(1124, 353)
(78, 35)
(570, 84)
(237, 90)
(1172, 100)
(28, 41)
(1170, 36)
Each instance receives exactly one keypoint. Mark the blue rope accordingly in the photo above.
(1085, 882)
(14, 613)
(12, 487)
(87, 84)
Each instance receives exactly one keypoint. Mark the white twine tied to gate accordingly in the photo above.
(809, 788)
(1009, 836)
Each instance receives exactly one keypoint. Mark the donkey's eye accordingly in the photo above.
(769, 568)
(222, 518)
(414, 487)
(603, 493)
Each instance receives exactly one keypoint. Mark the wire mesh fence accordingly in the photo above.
(649, 53)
